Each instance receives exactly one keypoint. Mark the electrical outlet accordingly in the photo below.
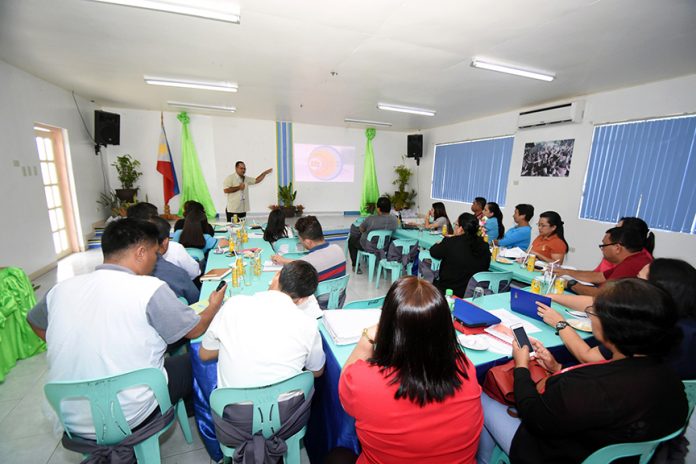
(24, 171)
(515, 182)
(15, 163)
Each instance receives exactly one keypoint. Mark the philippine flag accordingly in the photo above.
(165, 166)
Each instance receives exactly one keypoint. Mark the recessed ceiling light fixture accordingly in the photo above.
(178, 104)
(202, 9)
(405, 109)
(220, 86)
(367, 122)
(503, 68)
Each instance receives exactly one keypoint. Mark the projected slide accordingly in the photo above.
(323, 163)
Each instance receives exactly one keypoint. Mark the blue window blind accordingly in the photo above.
(645, 169)
(466, 170)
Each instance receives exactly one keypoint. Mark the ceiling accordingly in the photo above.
(283, 53)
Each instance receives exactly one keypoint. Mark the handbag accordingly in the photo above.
(499, 381)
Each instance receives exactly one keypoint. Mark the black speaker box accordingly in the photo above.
(415, 146)
(107, 128)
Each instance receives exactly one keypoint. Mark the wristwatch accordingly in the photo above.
(570, 284)
(560, 325)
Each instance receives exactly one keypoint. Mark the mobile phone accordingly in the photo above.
(220, 285)
(521, 337)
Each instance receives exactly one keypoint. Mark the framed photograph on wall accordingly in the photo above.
(547, 159)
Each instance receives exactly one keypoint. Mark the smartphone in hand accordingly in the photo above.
(521, 337)
(220, 285)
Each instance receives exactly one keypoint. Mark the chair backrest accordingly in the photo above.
(690, 389)
(333, 288)
(494, 279)
(110, 424)
(365, 304)
(265, 400)
(196, 253)
(644, 449)
(382, 236)
(425, 254)
(292, 244)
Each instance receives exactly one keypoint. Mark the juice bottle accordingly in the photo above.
(531, 259)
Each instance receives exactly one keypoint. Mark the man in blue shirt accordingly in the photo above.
(174, 276)
(521, 234)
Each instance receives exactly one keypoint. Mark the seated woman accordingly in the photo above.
(551, 244)
(495, 229)
(190, 206)
(588, 407)
(276, 228)
(439, 218)
(644, 230)
(675, 276)
(192, 235)
(462, 255)
(409, 385)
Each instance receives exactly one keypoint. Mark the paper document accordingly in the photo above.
(512, 253)
(255, 235)
(269, 266)
(345, 327)
(509, 319)
(567, 278)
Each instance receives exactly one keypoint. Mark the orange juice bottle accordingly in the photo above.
(444, 229)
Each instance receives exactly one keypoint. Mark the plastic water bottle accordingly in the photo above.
(449, 296)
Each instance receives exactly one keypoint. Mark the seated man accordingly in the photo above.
(380, 221)
(622, 246)
(521, 234)
(118, 319)
(177, 279)
(264, 338)
(327, 258)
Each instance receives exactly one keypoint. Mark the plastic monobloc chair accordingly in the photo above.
(365, 304)
(425, 254)
(196, 253)
(265, 403)
(395, 267)
(333, 288)
(382, 236)
(109, 422)
(494, 279)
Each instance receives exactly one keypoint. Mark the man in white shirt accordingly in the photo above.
(264, 338)
(235, 186)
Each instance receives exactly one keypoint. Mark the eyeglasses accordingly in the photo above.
(607, 244)
(590, 313)
(543, 225)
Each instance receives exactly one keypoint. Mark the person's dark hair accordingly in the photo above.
(384, 204)
(298, 279)
(192, 233)
(555, 220)
(678, 278)
(120, 235)
(238, 163)
(525, 210)
(470, 224)
(642, 227)
(628, 237)
(416, 344)
(142, 210)
(481, 202)
(308, 228)
(639, 318)
(495, 209)
(440, 211)
(163, 228)
(275, 227)
(193, 205)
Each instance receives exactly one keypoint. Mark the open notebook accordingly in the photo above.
(346, 326)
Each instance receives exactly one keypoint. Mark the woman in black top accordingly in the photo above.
(462, 255)
(195, 206)
(634, 397)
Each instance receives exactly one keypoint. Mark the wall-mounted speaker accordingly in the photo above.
(415, 146)
(107, 128)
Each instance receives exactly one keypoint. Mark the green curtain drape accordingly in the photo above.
(194, 186)
(370, 190)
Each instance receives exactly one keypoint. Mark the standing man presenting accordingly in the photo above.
(235, 186)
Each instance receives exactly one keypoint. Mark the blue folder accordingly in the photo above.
(471, 315)
(525, 302)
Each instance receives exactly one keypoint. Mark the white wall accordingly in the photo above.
(563, 194)
(25, 100)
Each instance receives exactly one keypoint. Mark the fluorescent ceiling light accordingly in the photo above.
(477, 63)
(229, 109)
(218, 11)
(367, 122)
(405, 109)
(221, 86)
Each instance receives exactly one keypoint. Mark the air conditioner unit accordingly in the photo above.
(556, 114)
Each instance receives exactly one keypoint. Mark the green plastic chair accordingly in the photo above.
(265, 403)
(395, 267)
(365, 304)
(109, 422)
(333, 288)
(196, 253)
(494, 279)
(425, 254)
(382, 236)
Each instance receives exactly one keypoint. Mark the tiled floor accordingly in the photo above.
(26, 434)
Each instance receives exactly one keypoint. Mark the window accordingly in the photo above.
(644, 169)
(478, 168)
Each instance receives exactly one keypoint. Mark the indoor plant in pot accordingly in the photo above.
(402, 198)
(127, 169)
(286, 198)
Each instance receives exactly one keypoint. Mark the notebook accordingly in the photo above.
(525, 302)
(215, 274)
(470, 315)
(346, 326)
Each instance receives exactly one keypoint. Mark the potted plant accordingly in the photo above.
(127, 169)
(286, 197)
(402, 198)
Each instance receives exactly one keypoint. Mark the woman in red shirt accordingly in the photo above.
(551, 244)
(409, 385)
